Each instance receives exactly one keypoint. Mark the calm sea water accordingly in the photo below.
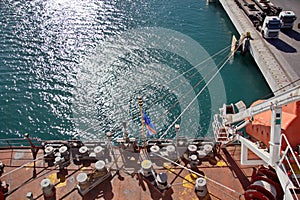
(79, 66)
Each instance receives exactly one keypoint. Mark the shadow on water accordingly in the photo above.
(291, 33)
(282, 46)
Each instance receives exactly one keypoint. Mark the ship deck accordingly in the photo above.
(225, 180)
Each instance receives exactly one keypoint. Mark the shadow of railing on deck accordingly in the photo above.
(234, 166)
(103, 190)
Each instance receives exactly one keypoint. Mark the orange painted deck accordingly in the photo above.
(126, 185)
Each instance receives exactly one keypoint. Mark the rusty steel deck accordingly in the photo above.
(227, 179)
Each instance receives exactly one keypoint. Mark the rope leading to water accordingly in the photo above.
(196, 97)
(207, 59)
(83, 132)
(190, 91)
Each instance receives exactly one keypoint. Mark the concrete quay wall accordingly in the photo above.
(276, 70)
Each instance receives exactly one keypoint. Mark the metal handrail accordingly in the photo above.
(287, 156)
(14, 142)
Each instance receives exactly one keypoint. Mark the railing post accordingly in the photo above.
(34, 152)
(275, 135)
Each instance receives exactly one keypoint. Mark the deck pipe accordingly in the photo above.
(162, 179)
(84, 156)
(101, 170)
(29, 195)
(49, 191)
(82, 179)
(99, 151)
(172, 153)
(1, 168)
(201, 189)
(146, 168)
(154, 152)
(49, 155)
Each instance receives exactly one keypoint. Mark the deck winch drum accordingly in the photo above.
(261, 189)
(264, 186)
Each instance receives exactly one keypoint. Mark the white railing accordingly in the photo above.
(220, 132)
(289, 163)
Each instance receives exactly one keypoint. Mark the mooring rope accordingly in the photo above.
(196, 97)
(83, 132)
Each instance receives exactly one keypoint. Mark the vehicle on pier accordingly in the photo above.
(287, 19)
(271, 27)
(268, 7)
(268, 25)
(251, 10)
(266, 17)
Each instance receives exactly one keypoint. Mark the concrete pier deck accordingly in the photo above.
(278, 70)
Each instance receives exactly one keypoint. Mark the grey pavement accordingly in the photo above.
(289, 41)
(278, 59)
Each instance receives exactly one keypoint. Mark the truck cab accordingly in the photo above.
(287, 19)
(271, 27)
